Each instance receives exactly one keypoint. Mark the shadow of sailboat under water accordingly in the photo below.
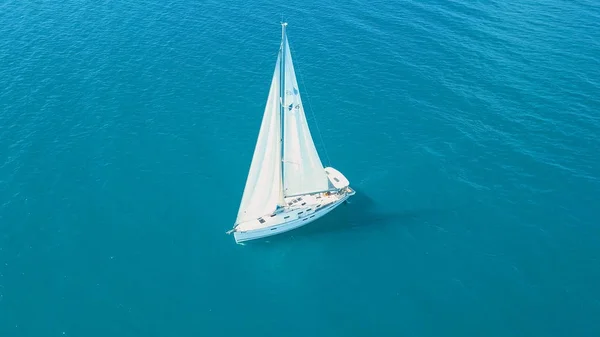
(359, 213)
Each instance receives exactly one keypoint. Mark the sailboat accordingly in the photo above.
(287, 186)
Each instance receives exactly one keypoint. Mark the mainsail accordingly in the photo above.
(303, 170)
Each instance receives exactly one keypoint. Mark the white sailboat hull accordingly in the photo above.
(278, 224)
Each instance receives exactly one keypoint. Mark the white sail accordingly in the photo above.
(303, 171)
(264, 191)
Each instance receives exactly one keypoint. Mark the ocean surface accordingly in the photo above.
(470, 130)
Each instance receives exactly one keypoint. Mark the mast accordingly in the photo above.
(282, 98)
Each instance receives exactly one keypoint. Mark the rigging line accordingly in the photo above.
(311, 110)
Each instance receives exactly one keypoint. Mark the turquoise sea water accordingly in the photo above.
(470, 130)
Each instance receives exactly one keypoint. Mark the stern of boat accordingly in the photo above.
(339, 181)
(349, 191)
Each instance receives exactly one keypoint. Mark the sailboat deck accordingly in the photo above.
(299, 207)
